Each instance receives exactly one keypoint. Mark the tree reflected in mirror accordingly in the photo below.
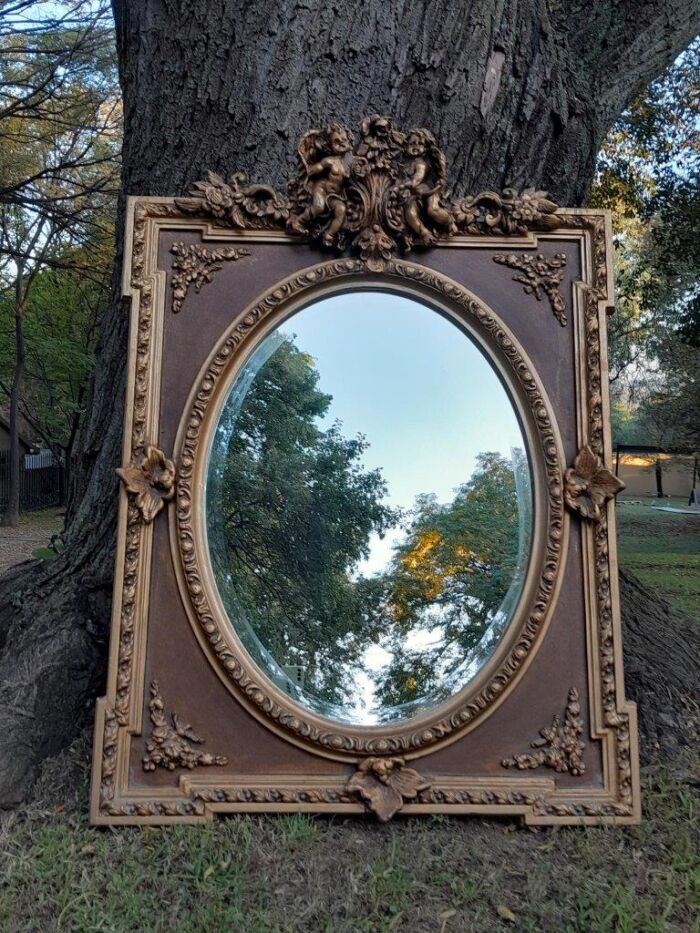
(368, 575)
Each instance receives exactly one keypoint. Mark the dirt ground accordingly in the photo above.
(34, 530)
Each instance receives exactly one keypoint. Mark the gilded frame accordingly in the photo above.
(120, 714)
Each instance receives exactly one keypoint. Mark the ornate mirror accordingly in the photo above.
(366, 550)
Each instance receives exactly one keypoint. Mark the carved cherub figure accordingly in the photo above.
(423, 185)
(327, 160)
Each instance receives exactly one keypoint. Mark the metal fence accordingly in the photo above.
(42, 481)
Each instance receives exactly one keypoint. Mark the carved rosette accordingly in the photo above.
(384, 784)
(171, 747)
(559, 745)
(588, 485)
(151, 479)
(194, 266)
(381, 193)
(539, 274)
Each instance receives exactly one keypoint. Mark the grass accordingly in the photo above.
(34, 530)
(663, 550)
(300, 873)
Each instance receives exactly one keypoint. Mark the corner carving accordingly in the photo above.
(194, 266)
(151, 479)
(170, 747)
(378, 195)
(539, 274)
(588, 485)
(560, 746)
(384, 784)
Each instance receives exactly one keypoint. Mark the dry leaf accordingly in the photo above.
(505, 913)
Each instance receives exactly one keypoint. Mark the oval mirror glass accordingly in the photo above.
(368, 507)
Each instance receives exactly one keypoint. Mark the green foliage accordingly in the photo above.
(452, 572)
(649, 175)
(294, 510)
(61, 323)
(54, 548)
(60, 136)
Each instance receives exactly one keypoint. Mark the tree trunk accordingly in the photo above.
(659, 478)
(516, 91)
(11, 516)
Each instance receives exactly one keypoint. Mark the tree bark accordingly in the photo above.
(11, 517)
(517, 92)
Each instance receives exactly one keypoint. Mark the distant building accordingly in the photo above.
(25, 444)
(655, 471)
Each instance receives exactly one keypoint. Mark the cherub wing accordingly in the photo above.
(311, 145)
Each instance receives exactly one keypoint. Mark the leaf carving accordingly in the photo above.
(588, 484)
(384, 784)
(151, 479)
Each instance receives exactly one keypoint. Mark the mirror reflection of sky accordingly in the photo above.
(422, 393)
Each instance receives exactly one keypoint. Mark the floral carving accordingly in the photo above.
(379, 193)
(510, 213)
(539, 274)
(236, 203)
(151, 478)
(194, 265)
(559, 746)
(384, 784)
(588, 484)
(171, 746)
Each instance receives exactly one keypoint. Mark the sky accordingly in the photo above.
(416, 386)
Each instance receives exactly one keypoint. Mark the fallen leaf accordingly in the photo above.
(208, 872)
(505, 913)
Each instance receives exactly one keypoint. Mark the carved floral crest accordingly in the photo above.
(151, 478)
(382, 192)
(194, 265)
(171, 747)
(384, 784)
(588, 485)
(559, 745)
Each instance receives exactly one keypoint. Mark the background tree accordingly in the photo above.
(517, 93)
(61, 323)
(57, 120)
(649, 175)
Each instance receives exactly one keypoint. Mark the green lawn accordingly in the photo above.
(663, 550)
(299, 874)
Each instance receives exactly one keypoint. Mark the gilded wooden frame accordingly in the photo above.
(383, 782)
